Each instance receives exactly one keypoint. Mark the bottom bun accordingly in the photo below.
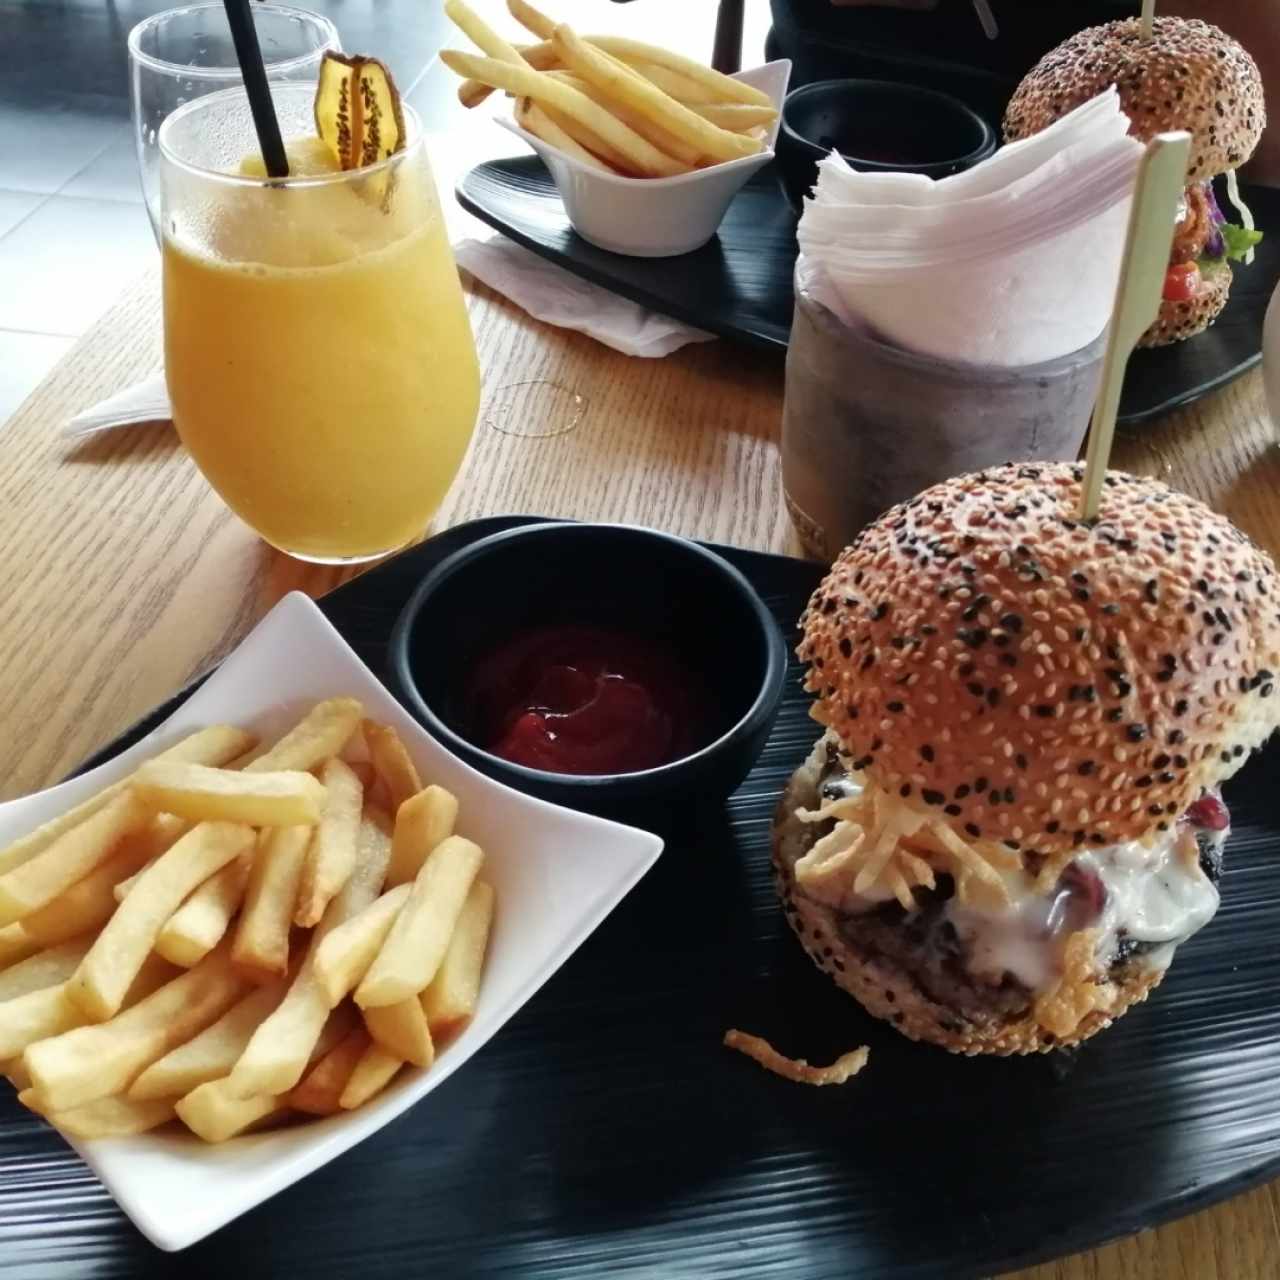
(1179, 320)
(851, 950)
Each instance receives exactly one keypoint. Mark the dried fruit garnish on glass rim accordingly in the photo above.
(357, 110)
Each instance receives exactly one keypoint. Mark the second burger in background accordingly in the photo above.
(1190, 75)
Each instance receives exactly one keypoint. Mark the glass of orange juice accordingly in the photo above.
(320, 362)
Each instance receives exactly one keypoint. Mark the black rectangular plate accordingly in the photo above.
(605, 1131)
(739, 284)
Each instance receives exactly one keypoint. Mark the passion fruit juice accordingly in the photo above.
(319, 358)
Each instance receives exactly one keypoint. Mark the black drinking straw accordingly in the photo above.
(249, 55)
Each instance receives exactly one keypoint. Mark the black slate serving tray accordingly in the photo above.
(739, 285)
(605, 1131)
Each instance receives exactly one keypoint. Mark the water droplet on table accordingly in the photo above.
(534, 409)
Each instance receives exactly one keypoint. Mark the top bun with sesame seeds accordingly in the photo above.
(1039, 683)
(1190, 75)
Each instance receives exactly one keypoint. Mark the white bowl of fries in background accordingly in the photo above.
(280, 934)
(646, 147)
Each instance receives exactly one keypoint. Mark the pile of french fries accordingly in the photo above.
(614, 104)
(235, 934)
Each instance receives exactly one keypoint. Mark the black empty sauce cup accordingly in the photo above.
(879, 126)
(667, 592)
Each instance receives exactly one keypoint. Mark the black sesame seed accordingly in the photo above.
(927, 752)
(1237, 751)
(1012, 844)
(1151, 590)
(1180, 707)
(1111, 610)
(962, 790)
(1155, 810)
(1052, 826)
(881, 611)
(1135, 732)
(1160, 762)
(932, 797)
(1008, 659)
(1079, 577)
(1011, 622)
(893, 706)
(1082, 693)
(975, 689)
(905, 790)
(1085, 768)
(980, 785)
(1115, 715)
(1174, 738)
(1008, 795)
(868, 661)
(1020, 760)
(877, 743)
(974, 637)
(966, 670)
(1226, 757)
(1266, 691)
(846, 647)
(973, 829)
(1044, 711)
(953, 809)
(993, 697)
(1077, 837)
(1165, 675)
(1144, 781)
(1168, 777)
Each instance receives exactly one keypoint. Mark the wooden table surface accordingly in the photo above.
(125, 576)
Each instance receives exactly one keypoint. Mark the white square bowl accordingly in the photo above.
(557, 874)
(656, 217)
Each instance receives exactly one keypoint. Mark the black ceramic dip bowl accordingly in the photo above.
(543, 652)
(878, 126)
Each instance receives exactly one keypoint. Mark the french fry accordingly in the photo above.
(541, 57)
(402, 1029)
(119, 1050)
(533, 119)
(213, 1052)
(483, 36)
(212, 746)
(331, 855)
(199, 924)
(322, 1086)
(588, 140)
(15, 1071)
(450, 1000)
(144, 846)
(69, 857)
(421, 823)
(113, 1117)
(346, 952)
(375, 1070)
(50, 1012)
(420, 936)
(16, 943)
(716, 87)
(320, 734)
(49, 968)
(116, 956)
(531, 19)
(36, 1016)
(661, 138)
(392, 761)
(261, 944)
(738, 117)
(277, 1054)
(284, 798)
(642, 156)
(642, 99)
(674, 85)
(214, 1113)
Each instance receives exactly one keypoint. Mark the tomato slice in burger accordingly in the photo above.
(1181, 282)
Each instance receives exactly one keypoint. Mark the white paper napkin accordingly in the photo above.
(546, 291)
(1011, 263)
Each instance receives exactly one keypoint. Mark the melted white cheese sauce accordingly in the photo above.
(1155, 893)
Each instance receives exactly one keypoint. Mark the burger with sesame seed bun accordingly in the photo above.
(1014, 817)
(1190, 75)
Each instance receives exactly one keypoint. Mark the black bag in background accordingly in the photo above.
(940, 48)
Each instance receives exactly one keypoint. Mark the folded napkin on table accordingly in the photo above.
(551, 293)
(545, 291)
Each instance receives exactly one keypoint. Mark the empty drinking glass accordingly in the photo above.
(186, 53)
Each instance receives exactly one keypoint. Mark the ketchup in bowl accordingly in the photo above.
(585, 700)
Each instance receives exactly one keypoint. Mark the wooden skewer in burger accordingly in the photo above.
(1014, 817)
(1187, 75)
